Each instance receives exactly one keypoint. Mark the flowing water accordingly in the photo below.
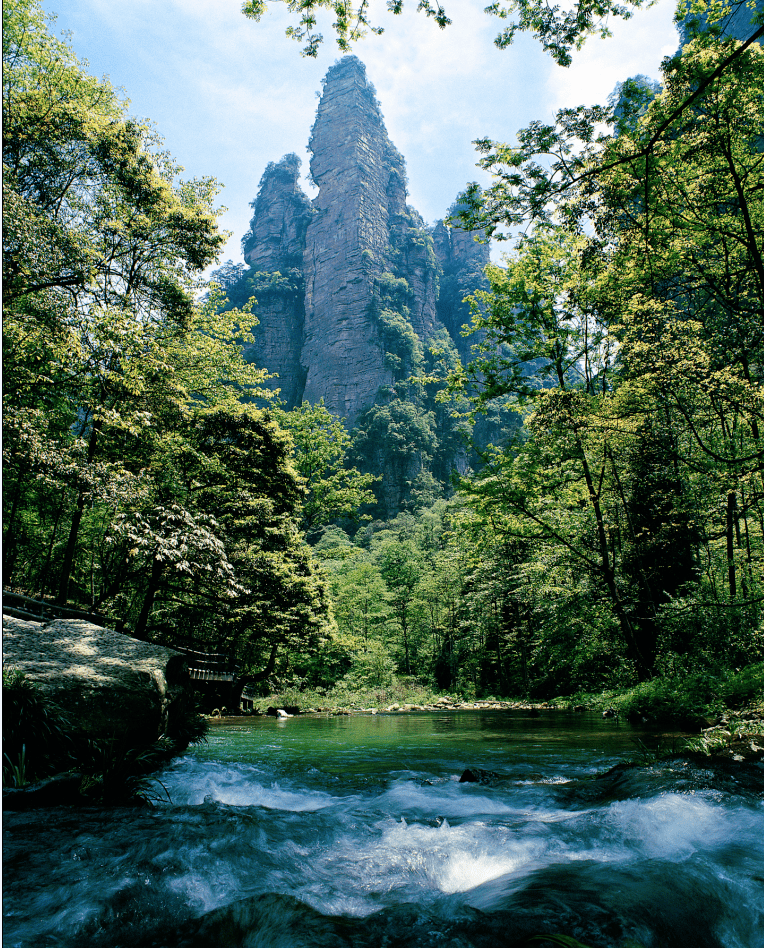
(355, 831)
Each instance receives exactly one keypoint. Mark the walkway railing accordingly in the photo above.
(202, 666)
(209, 666)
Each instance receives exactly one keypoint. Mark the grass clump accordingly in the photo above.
(36, 732)
(692, 700)
(730, 738)
(348, 695)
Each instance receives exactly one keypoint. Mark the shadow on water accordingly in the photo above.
(598, 905)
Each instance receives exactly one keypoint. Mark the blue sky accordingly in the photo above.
(229, 95)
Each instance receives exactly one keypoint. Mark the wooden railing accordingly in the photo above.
(36, 610)
(209, 666)
(202, 666)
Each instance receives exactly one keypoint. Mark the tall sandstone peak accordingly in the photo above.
(348, 284)
(361, 181)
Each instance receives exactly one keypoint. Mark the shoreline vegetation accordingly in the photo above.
(691, 702)
(719, 717)
(714, 730)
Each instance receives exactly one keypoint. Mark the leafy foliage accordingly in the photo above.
(334, 491)
(36, 734)
(142, 479)
(559, 31)
(615, 539)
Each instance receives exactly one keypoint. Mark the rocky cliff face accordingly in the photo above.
(354, 290)
(274, 248)
(462, 261)
(276, 238)
(347, 285)
(360, 177)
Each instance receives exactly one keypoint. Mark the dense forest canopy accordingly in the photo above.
(146, 478)
(614, 535)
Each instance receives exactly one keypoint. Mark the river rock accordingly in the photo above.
(475, 775)
(109, 685)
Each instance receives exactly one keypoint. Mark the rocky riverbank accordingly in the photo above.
(736, 737)
(88, 712)
(108, 683)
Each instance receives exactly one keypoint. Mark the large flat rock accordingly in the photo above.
(109, 684)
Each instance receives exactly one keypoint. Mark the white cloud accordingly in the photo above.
(229, 95)
(637, 46)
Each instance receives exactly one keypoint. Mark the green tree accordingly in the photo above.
(558, 30)
(333, 489)
(547, 345)
(398, 441)
(628, 320)
(400, 569)
(141, 478)
(691, 291)
(240, 467)
(100, 248)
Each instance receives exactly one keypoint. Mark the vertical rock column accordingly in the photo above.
(361, 181)
(462, 260)
(274, 245)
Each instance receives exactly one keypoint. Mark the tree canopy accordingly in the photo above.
(146, 477)
(612, 536)
(559, 30)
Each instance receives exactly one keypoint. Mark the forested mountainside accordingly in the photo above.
(358, 302)
(611, 535)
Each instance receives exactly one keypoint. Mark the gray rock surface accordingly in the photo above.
(361, 181)
(276, 238)
(327, 331)
(274, 248)
(462, 261)
(109, 684)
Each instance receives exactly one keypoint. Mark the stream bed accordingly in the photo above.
(355, 831)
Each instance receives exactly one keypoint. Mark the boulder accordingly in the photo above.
(475, 775)
(109, 685)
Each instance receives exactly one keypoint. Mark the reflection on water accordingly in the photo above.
(356, 831)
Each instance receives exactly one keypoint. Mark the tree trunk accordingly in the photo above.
(239, 684)
(9, 543)
(71, 547)
(731, 504)
(157, 567)
(74, 529)
(406, 645)
(43, 583)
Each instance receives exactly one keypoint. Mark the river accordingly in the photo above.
(355, 831)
